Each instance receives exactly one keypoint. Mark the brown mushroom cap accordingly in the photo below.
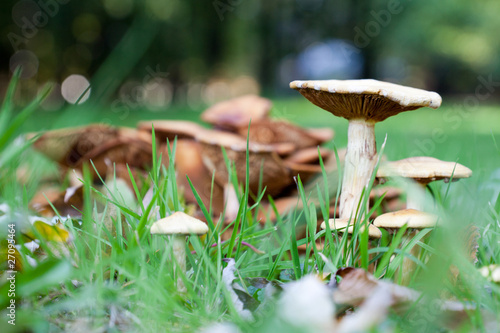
(275, 175)
(237, 112)
(341, 224)
(188, 162)
(269, 131)
(366, 99)
(322, 134)
(415, 219)
(231, 141)
(423, 169)
(68, 145)
(171, 128)
(309, 155)
(179, 223)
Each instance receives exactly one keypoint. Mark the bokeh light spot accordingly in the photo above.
(118, 8)
(27, 60)
(73, 87)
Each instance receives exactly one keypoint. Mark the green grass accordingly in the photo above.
(123, 280)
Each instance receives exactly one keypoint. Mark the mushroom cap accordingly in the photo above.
(341, 224)
(189, 163)
(321, 134)
(423, 169)
(366, 99)
(275, 175)
(415, 219)
(269, 131)
(171, 128)
(491, 272)
(67, 145)
(309, 155)
(238, 143)
(179, 223)
(237, 112)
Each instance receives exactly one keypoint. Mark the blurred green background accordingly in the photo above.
(143, 55)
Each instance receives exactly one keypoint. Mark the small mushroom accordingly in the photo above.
(415, 221)
(179, 225)
(345, 225)
(423, 170)
(237, 112)
(363, 103)
(491, 272)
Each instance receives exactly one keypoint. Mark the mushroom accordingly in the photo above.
(343, 225)
(491, 272)
(169, 129)
(66, 146)
(269, 131)
(415, 221)
(188, 162)
(179, 225)
(237, 112)
(73, 147)
(346, 226)
(309, 155)
(423, 170)
(275, 174)
(363, 103)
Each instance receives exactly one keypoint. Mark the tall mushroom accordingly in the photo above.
(363, 103)
(179, 225)
(423, 170)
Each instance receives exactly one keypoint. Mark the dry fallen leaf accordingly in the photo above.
(358, 288)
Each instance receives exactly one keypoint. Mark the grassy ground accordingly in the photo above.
(112, 283)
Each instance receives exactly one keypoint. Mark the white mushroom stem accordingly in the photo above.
(414, 200)
(231, 201)
(359, 163)
(179, 250)
(409, 265)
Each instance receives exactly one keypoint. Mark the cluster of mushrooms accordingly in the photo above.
(364, 103)
(278, 151)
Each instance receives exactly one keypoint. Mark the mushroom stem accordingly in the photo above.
(413, 200)
(359, 163)
(179, 250)
(409, 266)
